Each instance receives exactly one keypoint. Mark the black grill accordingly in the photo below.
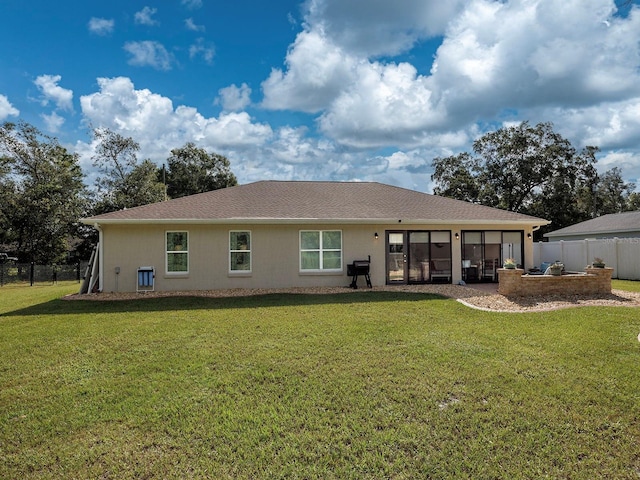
(357, 268)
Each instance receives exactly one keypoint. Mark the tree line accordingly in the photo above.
(43, 192)
(535, 171)
(521, 168)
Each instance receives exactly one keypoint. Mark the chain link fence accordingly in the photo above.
(31, 273)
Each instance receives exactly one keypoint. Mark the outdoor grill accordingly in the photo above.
(357, 268)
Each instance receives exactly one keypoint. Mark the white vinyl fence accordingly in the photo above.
(622, 254)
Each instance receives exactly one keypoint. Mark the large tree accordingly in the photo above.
(123, 182)
(43, 195)
(194, 170)
(515, 163)
(457, 177)
(533, 170)
(613, 194)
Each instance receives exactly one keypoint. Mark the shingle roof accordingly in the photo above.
(288, 201)
(612, 223)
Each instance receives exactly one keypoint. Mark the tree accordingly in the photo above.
(124, 183)
(633, 202)
(457, 177)
(612, 193)
(516, 162)
(567, 197)
(42, 191)
(535, 171)
(193, 170)
(7, 199)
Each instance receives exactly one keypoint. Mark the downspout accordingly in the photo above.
(100, 257)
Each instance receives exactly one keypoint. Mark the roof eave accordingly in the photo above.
(590, 232)
(307, 221)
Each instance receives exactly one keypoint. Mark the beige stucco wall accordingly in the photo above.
(274, 251)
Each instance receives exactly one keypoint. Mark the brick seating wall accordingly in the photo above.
(595, 281)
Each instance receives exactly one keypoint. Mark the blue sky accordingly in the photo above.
(324, 89)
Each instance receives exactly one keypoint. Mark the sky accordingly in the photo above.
(344, 90)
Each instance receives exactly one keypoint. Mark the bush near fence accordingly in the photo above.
(621, 254)
(28, 273)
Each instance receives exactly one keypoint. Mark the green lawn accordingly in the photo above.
(629, 285)
(365, 385)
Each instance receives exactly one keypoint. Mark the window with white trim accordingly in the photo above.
(240, 251)
(320, 250)
(177, 253)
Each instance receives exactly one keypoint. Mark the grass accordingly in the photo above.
(365, 385)
(629, 285)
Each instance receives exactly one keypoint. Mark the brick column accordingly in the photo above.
(604, 278)
(509, 281)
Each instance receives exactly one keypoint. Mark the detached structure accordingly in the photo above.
(275, 234)
(615, 225)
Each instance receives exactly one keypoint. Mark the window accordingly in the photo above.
(321, 250)
(240, 251)
(177, 252)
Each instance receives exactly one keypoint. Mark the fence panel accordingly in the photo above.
(28, 273)
(621, 254)
(575, 256)
(628, 258)
(547, 252)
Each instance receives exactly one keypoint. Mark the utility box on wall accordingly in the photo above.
(146, 279)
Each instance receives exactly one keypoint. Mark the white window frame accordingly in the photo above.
(248, 250)
(321, 251)
(179, 252)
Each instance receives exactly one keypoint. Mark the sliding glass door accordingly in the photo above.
(418, 256)
(483, 252)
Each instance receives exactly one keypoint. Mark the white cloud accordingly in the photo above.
(202, 49)
(6, 109)
(233, 98)
(190, 25)
(51, 91)
(101, 26)
(192, 4)
(152, 120)
(235, 130)
(380, 27)
(149, 54)
(386, 105)
(628, 162)
(256, 152)
(545, 52)
(317, 71)
(494, 56)
(53, 122)
(609, 125)
(145, 17)
(487, 62)
(293, 147)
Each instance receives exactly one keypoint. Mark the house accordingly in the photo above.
(278, 234)
(620, 225)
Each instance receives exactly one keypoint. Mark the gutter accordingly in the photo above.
(535, 223)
